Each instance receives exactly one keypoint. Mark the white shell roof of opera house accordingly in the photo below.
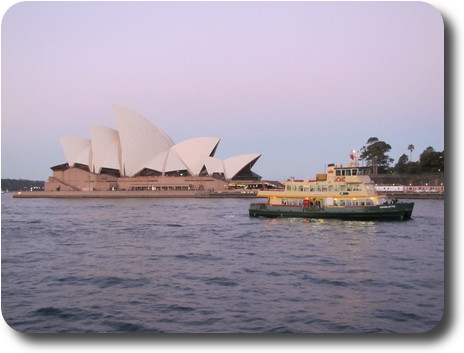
(137, 144)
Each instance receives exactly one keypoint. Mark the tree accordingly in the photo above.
(411, 148)
(432, 161)
(413, 168)
(375, 154)
(402, 165)
(403, 159)
(20, 184)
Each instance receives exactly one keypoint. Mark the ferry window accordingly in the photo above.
(362, 202)
(335, 187)
(369, 202)
(318, 188)
(338, 172)
(348, 203)
(342, 187)
(349, 187)
(306, 189)
(300, 188)
(348, 172)
(289, 187)
(331, 187)
(311, 188)
(354, 171)
(335, 202)
(324, 187)
(294, 187)
(343, 172)
(342, 202)
(357, 187)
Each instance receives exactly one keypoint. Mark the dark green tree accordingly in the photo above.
(411, 148)
(413, 168)
(375, 154)
(402, 165)
(432, 161)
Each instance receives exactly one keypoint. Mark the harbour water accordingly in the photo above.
(203, 265)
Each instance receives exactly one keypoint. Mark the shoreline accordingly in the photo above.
(417, 196)
(130, 194)
(176, 194)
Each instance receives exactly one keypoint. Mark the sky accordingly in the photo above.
(302, 83)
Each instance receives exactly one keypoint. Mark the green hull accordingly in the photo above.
(398, 211)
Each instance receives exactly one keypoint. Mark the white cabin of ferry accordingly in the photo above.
(341, 186)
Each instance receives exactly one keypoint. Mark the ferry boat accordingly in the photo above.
(344, 192)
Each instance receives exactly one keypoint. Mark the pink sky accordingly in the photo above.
(302, 83)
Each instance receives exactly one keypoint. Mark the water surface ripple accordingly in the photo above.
(203, 265)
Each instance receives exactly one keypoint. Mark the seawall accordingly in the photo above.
(179, 194)
(417, 196)
(130, 194)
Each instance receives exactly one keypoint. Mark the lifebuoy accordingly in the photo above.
(338, 179)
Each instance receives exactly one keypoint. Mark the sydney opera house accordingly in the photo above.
(141, 156)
